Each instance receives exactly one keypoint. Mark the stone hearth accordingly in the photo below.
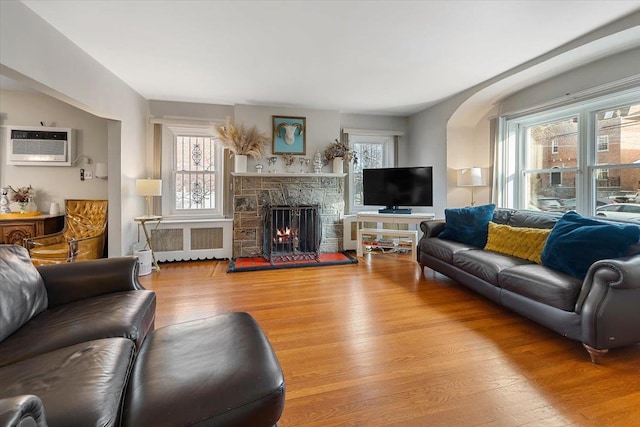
(252, 191)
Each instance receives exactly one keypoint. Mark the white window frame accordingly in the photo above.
(512, 167)
(555, 149)
(169, 135)
(388, 142)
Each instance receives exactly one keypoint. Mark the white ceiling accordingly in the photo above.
(376, 57)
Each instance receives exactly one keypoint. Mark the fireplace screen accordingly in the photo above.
(291, 233)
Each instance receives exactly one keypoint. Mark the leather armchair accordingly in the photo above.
(22, 411)
(82, 237)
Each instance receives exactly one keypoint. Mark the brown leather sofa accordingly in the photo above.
(77, 348)
(600, 311)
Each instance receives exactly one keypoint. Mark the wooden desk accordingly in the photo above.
(384, 218)
(14, 227)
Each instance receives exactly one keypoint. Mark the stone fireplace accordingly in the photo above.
(253, 192)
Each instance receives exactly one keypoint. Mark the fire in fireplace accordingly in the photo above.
(291, 233)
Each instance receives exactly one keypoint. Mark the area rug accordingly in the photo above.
(258, 263)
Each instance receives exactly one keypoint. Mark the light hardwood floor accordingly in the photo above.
(381, 344)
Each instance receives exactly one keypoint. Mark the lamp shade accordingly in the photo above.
(472, 177)
(149, 187)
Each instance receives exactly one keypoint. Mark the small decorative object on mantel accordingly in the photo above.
(272, 164)
(317, 163)
(339, 153)
(242, 143)
(304, 164)
(23, 196)
(288, 161)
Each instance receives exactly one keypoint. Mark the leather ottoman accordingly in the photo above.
(219, 371)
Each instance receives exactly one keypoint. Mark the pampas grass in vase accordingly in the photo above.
(242, 142)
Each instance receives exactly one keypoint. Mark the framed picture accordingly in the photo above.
(289, 135)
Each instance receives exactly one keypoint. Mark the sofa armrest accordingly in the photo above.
(432, 228)
(22, 411)
(608, 303)
(75, 281)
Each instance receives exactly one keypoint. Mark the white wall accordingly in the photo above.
(52, 183)
(566, 86)
(323, 126)
(36, 54)
(190, 110)
(452, 135)
(428, 130)
(374, 122)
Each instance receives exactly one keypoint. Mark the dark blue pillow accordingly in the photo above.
(468, 225)
(576, 242)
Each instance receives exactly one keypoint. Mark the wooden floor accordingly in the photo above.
(380, 344)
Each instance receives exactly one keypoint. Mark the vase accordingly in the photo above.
(31, 205)
(338, 163)
(4, 202)
(23, 206)
(240, 163)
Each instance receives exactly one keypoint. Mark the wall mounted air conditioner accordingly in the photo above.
(39, 146)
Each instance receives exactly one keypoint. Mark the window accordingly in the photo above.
(598, 154)
(545, 175)
(192, 165)
(603, 143)
(373, 151)
(602, 174)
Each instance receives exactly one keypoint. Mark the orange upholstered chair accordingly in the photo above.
(82, 238)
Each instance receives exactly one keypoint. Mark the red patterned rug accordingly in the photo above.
(258, 263)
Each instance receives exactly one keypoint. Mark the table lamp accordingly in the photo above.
(472, 177)
(149, 188)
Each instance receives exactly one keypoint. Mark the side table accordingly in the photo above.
(386, 218)
(142, 220)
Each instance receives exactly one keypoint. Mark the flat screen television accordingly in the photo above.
(396, 187)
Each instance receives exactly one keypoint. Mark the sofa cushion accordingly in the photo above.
(522, 242)
(577, 242)
(121, 314)
(442, 249)
(542, 284)
(533, 219)
(502, 215)
(80, 385)
(468, 225)
(485, 264)
(22, 291)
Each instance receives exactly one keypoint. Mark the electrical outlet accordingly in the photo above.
(81, 174)
(88, 175)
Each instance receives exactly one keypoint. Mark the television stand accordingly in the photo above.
(406, 211)
(390, 218)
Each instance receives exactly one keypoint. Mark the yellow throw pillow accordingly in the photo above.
(521, 242)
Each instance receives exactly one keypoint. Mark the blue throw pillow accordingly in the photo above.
(468, 225)
(576, 242)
